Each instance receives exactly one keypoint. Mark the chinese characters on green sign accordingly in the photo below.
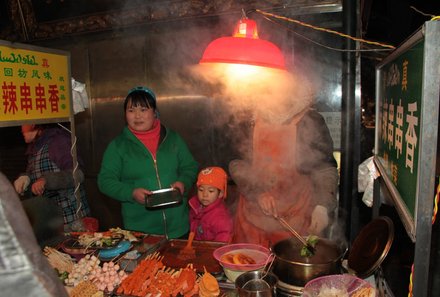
(399, 112)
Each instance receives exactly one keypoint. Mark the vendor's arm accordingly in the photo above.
(60, 153)
(139, 195)
(315, 158)
(244, 176)
(62, 179)
(267, 204)
(179, 186)
(21, 183)
(56, 181)
(109, 177)
(325, 186)
(187, 168)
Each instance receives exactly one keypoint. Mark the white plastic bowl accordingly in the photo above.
(259, 253)
(232, 275)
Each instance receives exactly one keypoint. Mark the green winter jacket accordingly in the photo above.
(127, 164)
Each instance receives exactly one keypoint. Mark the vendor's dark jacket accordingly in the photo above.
(50, 157)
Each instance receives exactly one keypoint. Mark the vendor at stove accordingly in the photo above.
(291, 172)
(147, 156)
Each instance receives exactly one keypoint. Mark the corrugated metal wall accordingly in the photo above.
(157, 56)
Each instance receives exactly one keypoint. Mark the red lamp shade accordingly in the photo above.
(244, 47)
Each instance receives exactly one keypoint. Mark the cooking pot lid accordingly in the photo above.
(371, 246)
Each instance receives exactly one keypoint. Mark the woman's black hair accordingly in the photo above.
(141, 96)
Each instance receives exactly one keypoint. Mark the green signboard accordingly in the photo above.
(407, 126)
(407, 108)
(399, 110)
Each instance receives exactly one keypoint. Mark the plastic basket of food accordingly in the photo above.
(340, 285)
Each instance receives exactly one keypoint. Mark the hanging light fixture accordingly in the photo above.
(244, 47)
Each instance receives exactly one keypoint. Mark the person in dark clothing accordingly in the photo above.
(290, 173)
(49, 172)
(23, 268)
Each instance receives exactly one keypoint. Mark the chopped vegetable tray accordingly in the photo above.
(101, 243)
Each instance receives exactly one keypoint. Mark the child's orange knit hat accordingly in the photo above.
(215, 177)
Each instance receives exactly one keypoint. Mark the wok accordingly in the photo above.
(293, 269)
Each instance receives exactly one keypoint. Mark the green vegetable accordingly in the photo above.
(108, 241)
(63, 276)
(311, 240)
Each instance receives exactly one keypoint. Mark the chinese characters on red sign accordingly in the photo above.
(34, 85)
(27, 100)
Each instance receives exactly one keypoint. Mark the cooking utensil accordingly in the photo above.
(188, 251)
(367, 252)
(260, 282)
(188, 248)
(160, 199)
(292, 268)
(204, 255)
(256, 291)
(296, 234)
(371, 246)
(163, 198)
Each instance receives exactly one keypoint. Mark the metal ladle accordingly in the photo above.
(259, 284)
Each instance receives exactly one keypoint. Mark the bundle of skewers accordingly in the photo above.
(150, 277)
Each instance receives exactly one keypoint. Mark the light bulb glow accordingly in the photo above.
(244, 47)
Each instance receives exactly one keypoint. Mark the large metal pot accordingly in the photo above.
(293, 269)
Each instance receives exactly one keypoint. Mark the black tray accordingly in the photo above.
(163, 198)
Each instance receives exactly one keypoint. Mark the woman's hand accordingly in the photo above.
(21, 184)
(319, 221)
(38, 186)
(178, 185)
(139, 195)
(267, 204)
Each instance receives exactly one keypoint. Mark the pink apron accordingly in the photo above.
(275, 167)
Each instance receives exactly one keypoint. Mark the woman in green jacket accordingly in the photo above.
(145, 157)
